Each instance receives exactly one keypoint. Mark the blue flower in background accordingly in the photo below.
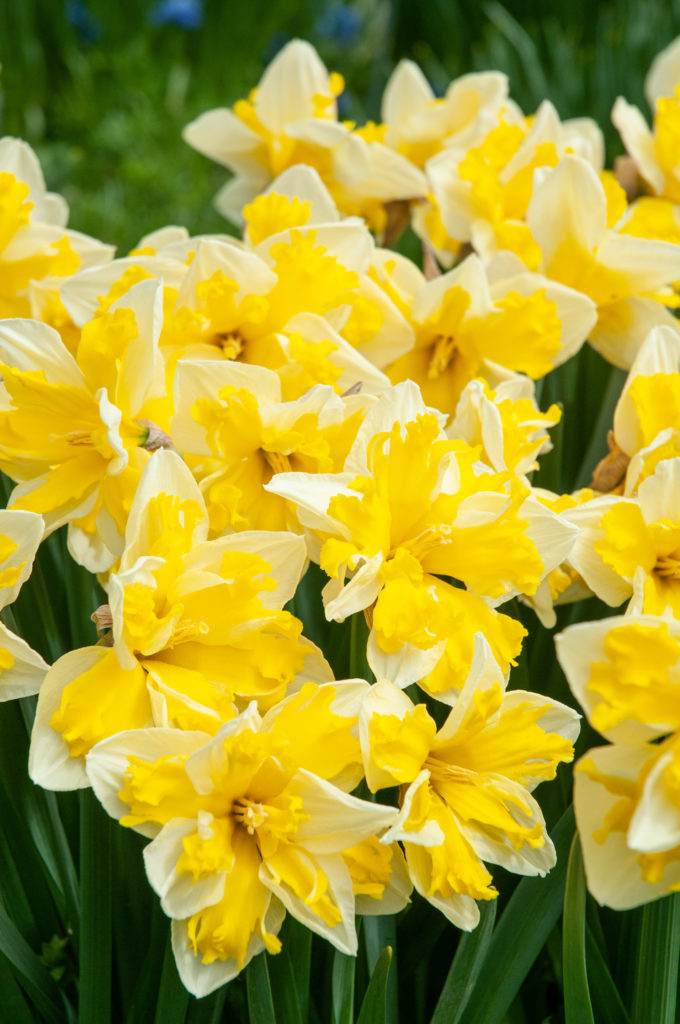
(338, 23)
(187, 14)
(84, 22)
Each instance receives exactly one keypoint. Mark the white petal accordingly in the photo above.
(107, 763)
(181, 895)
(50, 764)
(639, 142)
(612, 868)
(655, 825)
(569, 203)
(341, 935)
(336, 819)
(25, 676)
(29, 345)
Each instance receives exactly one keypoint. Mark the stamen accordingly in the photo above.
(443, 354)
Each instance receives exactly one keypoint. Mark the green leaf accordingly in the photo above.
(14, 1006)
(374, 1005)
(465, 968)
(33, 975)
(94, 1005)
(608, 1006)
(577, 1005)
(529, 917)
(658, 966)
(523, 45)
(297, 947)
(284, 988)
(173, 998)
(342, 988)
(379, 932)
(260, 1002)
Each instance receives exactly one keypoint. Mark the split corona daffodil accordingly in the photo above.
(245, 827)
(466, 788)
(196, 628)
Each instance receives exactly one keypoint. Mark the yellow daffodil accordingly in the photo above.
(245, 827)
(647, 414)
(231, 414)
(410, 501)
(625, 542)
(419, 124)
(291, 118)
(627, 278)
(471, 319)
(655, 151)
(22, 670)
(505, 422)
(194, 628)
(466, 788)
(625, 671)
(483, 192)
(35, 244)
(73, 430)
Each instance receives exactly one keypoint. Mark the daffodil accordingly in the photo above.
(231, 414)
(647, 414)
(506, 422)
(629, 279)
(625, 671)
(419, 124)
(192, 629)
(411, 501)
(472, 319)
(466, 788)
(655, 151)
(628, 541)
(73, 430)
(246, 826)
(291, 118)
(482, 192)
(35, 244)
(22, 670)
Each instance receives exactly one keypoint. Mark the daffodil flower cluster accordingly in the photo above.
(206, 416)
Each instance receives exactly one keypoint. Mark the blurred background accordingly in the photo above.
(102, 88)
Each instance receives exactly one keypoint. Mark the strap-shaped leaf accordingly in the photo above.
(531, 914)
(465, 968)
(374, 1005)
(577, 1003)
